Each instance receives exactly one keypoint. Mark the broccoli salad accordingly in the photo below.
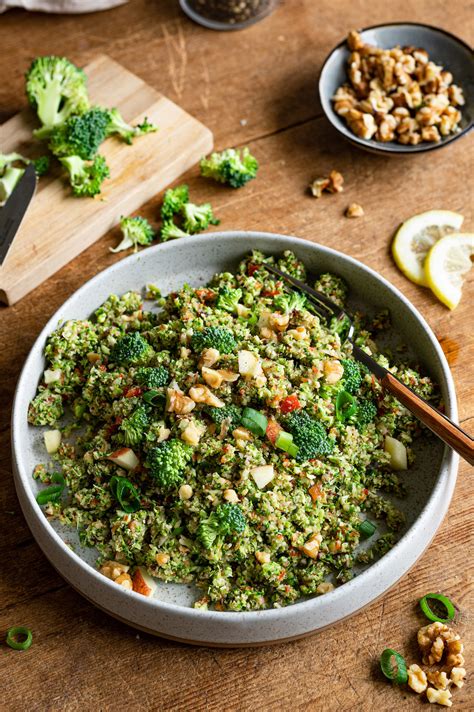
(228, 439)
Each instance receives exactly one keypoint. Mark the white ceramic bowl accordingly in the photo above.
(430, 482)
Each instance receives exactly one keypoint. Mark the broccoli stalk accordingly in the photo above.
(290, 302)
(226, 519)
(309, 436)
(167, 462)
(228, 298)
(131, 349)
(135, 231)
(86, 178)
(80, 135)
(173, 202)
(8, 182)
(117, 125)
(198, 217)
(213, 337)
(56, 89)
(170, 231)
(230, 166)
(11, 174)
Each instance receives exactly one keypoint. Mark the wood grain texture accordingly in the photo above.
(58, 226)
(265, 76)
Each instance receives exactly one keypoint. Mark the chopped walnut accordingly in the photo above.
(113, 569)
(209, 357)
(333, 371)
(325, 587)
(124, 580)
(311, 547)
(438, 678)
(387, 85)
(318, 186)
(455, 649)
(335, 182)
(417, 679)
(457, 676)
(354, 210)
(437, 637)
(279, 322)
(202, 394)
(439, 697)
(178, 403)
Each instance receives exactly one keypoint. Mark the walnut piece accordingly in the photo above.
(439, 697)
(354, 210)
(417, 679)
(457, 676)
(438, 678)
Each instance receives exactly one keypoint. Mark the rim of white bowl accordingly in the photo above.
(447, 466)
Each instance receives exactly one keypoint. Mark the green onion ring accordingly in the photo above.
(399, 675)
(125, 493)
(346, 405)
(366, 529)
(444, 600)
(153, 397)
(12, 635)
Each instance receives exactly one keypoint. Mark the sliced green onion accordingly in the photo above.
(53, 493)
(254, 421)
(445, 602)
(19, 632)
(125, 494)
(346, 405)
(366, 529)
(397, 673)
(153, 397)
(285, 442)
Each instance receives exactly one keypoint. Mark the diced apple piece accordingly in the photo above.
(311, 547)
(143, 583)
(262, 475)
(397, 452)
(52, 376)
(52, 441)
(249, 364)
(124, 457)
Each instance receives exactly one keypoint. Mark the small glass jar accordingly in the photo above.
(227, 14)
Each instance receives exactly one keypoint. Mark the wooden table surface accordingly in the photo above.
(255, 88)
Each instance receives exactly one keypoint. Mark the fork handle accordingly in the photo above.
(437, 422)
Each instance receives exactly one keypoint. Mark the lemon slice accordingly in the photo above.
(447, 265)
(416, 237)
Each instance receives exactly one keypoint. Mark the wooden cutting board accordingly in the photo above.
(58, 226)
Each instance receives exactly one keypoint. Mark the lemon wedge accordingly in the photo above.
(414, 239)
(447, 265)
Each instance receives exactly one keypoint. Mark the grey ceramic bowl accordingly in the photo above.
(443, 48)
(169, 613)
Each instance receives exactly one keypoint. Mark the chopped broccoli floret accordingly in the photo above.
(366, 412)
(56, 89)
(80, 135)
(352, 377)
(41, 165)
(228, 298)
(167, 462)
(117, 125)
(46, 408)
(308, 435)
(170, 231)
(198, 217)
(86, 178)
(290, 301)
(131, 348)
(173, 202)
(226, 519)
(231, 412)
(136, 231)
(213, 337)
(153, 377)
(230, 166)
(132, 429)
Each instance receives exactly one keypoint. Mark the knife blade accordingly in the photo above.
(13, 212)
